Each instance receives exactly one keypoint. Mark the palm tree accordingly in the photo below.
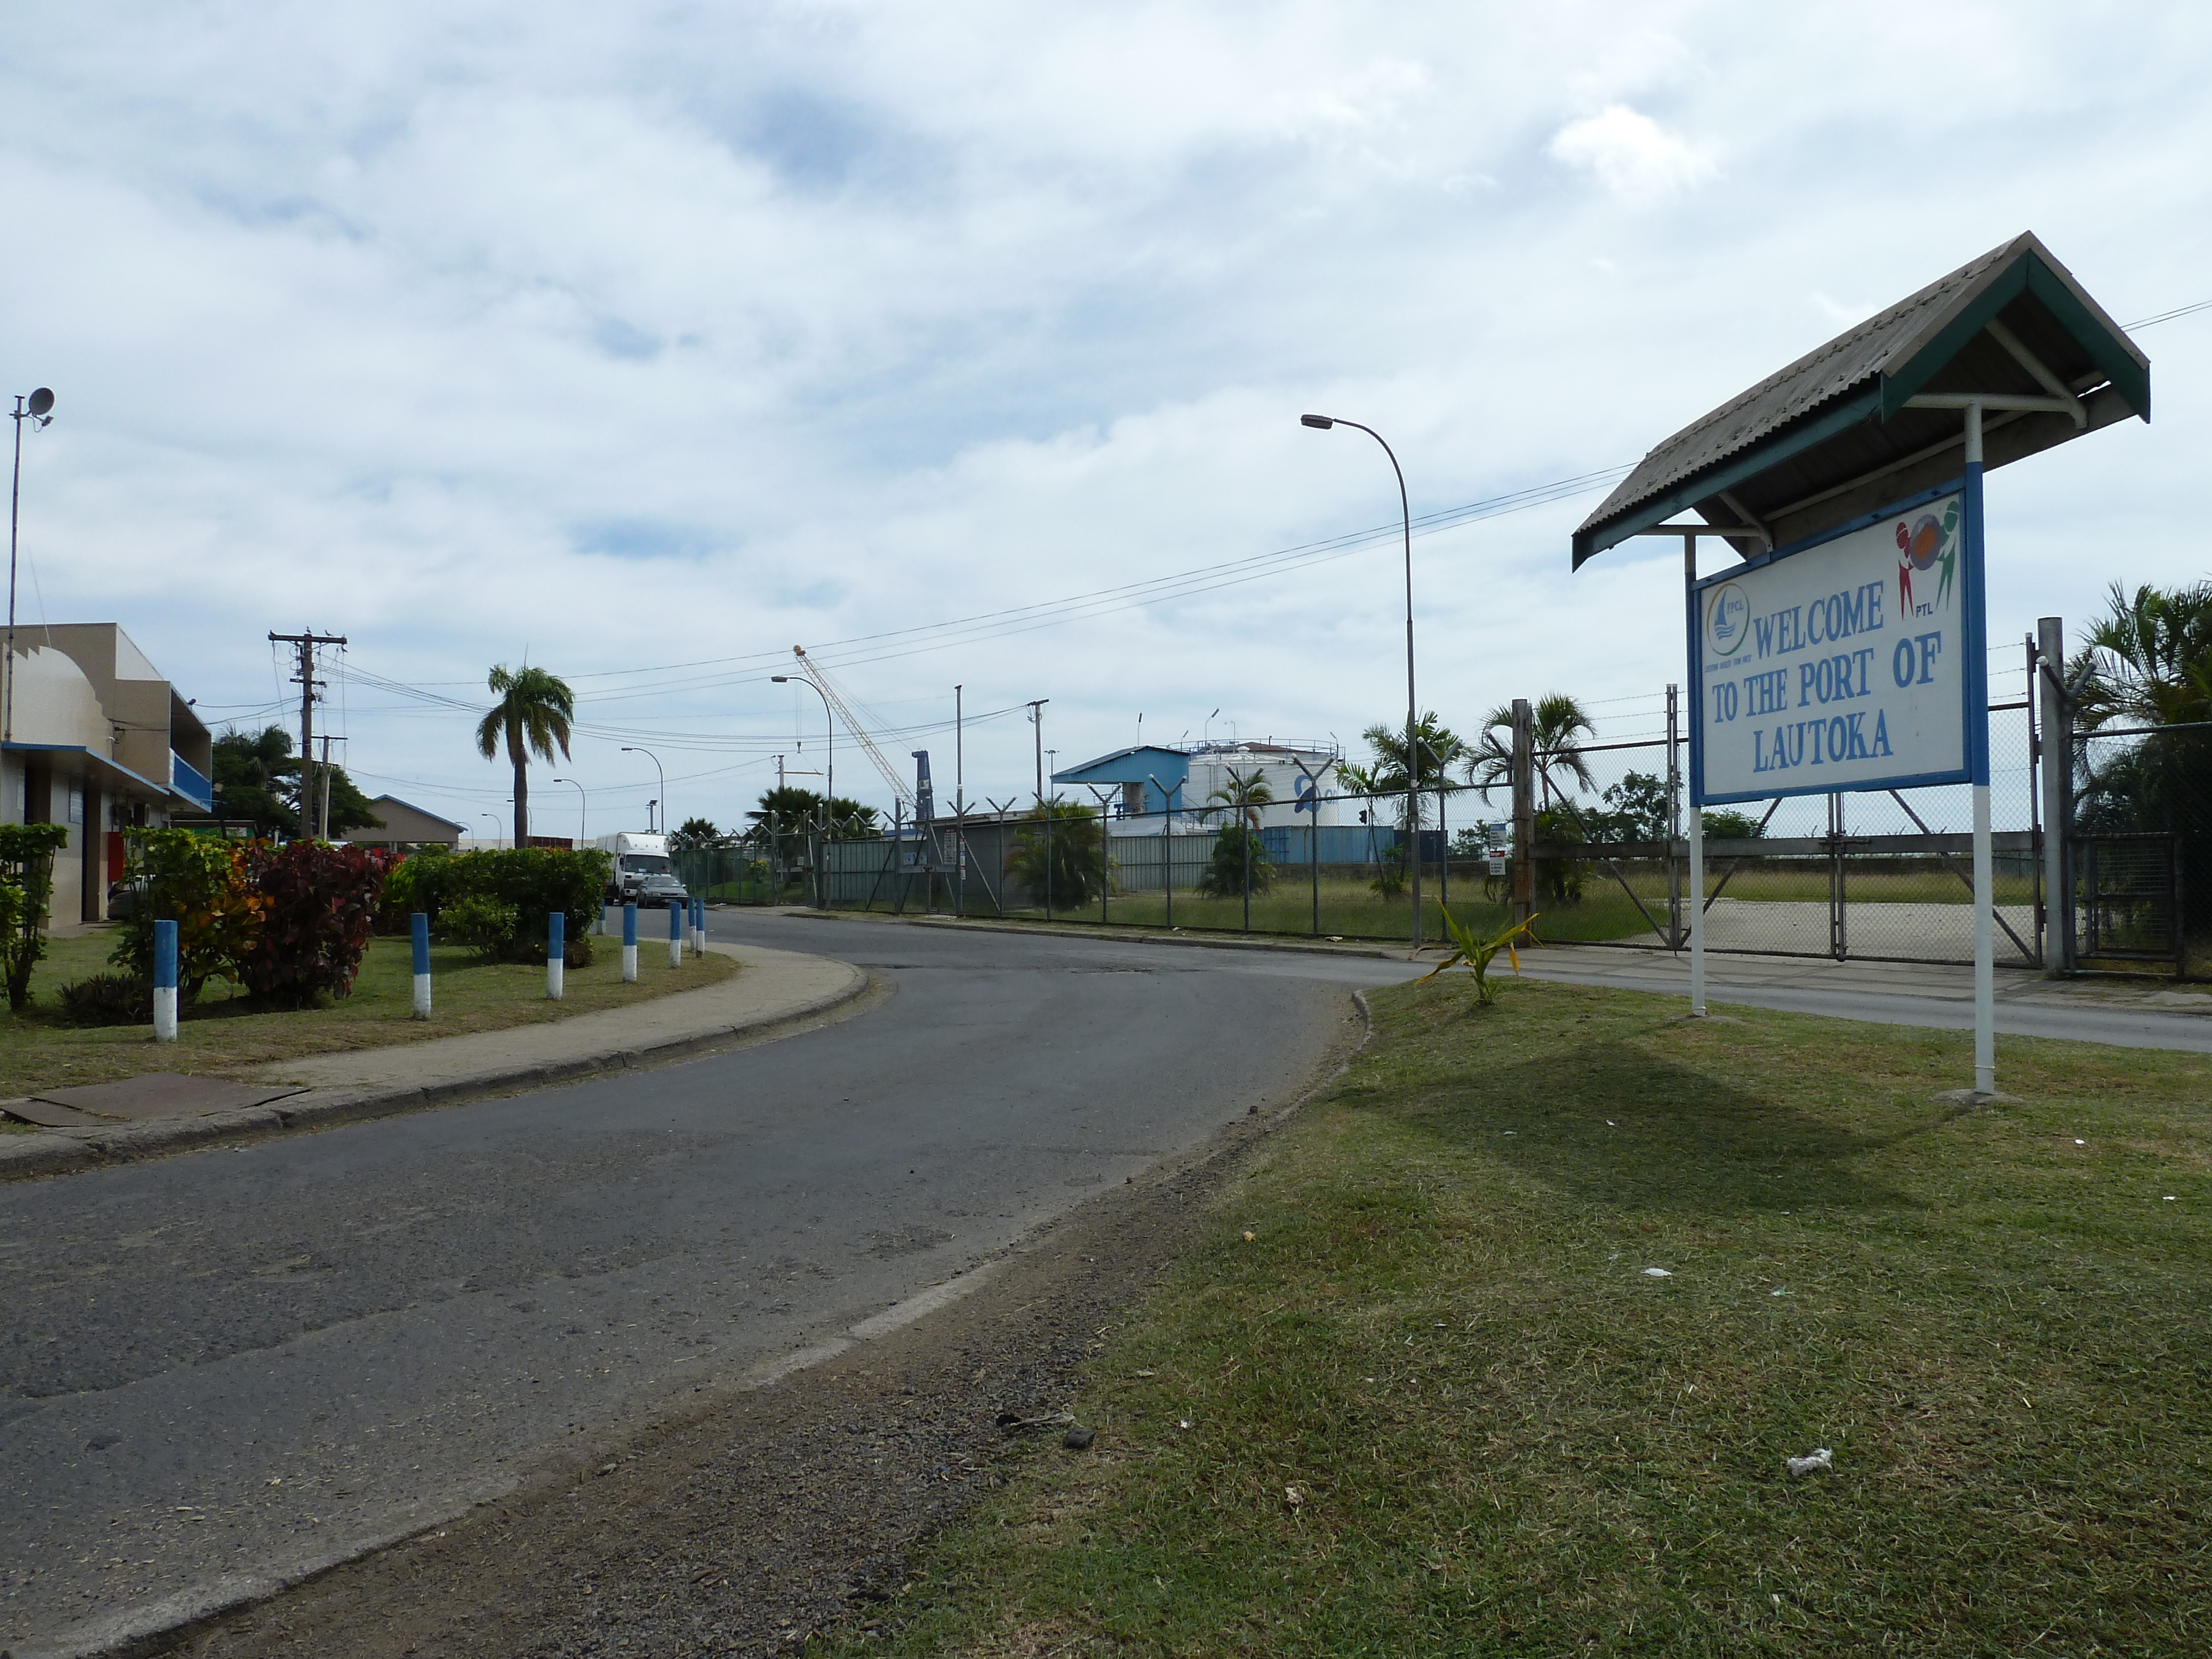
(1440, 747)
(1554, 725)
(2149, 662)
(1245, 793)
(532, 714)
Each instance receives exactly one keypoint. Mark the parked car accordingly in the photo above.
(124, 896)
(643, 874)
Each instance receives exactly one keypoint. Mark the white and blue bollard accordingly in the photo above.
(676, 935)
(698, 927)
(421, 930)
(629, 944)
(165, 982)
(556, 952)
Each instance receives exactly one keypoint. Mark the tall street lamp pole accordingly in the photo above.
(830, 750)
(494, 824)
(1323, 423)
(631, 749)
(37, 410)
(583, 806)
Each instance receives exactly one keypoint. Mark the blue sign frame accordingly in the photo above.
(1974, 697)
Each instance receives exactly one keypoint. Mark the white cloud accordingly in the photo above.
(1633, 156)
(644, 337)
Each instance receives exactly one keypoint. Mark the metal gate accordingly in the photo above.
(2127, 899)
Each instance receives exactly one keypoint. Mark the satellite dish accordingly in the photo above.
(41, 401)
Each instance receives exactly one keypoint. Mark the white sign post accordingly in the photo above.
(1852, 662)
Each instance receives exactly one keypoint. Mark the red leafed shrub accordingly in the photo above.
(322, 905)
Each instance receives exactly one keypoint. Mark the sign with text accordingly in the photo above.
(1849, 663)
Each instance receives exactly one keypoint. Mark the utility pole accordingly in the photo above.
(1036, 719)
(960, 796)
(305, 644)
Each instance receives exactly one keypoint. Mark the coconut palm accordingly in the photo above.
(532, 714)
(1555, 725)
(2149, 662)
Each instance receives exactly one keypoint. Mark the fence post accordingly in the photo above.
(2058, 784)
(165, 982)
(419, 925)
(1443, 835)
(629, 944)
(675, 937)
(556, 951)
(1674, 816)
(1524, 812)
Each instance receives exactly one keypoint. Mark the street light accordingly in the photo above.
(829, 752)
(629, 748)
(494, 825)
(1323, 423)
(583, 805)
(37, 410)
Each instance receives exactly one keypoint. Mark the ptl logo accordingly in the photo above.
(1922, 547)
(1727, 616)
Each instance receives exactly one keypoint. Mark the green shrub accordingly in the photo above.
(535, 881)
(108, 999)
(417, 882)
(1226, 876)
(320, 904)
(27, 883)
(532, 882)
(1074, 851)
(201, 885)
(484, 923)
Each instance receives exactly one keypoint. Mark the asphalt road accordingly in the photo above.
(222, 1368)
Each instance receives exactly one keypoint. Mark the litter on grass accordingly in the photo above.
(1800, 1466)
(1784, 1290)
(1658, 1273)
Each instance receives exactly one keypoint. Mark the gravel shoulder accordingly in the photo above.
(782, 1507)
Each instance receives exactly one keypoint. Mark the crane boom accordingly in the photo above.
(820, 681)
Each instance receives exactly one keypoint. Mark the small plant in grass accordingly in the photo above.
(1389, 881)
(108, 999)
(27, 881)
(1477, 954)
(319, 909)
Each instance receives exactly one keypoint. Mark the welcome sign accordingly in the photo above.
(1851, 662)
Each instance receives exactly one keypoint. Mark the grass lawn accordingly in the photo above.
(1424, 1308)
(223, 1032)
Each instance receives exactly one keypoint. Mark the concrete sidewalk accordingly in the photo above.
(776, 989)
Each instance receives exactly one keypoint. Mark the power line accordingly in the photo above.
(2168, 316)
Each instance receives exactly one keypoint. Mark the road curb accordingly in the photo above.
(69, 1151)
(1113, 935)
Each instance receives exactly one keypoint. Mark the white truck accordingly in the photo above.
(643, 874)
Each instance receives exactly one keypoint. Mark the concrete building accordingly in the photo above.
(93, 737)
(402, 824)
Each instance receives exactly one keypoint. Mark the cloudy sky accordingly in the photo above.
(646, 341)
